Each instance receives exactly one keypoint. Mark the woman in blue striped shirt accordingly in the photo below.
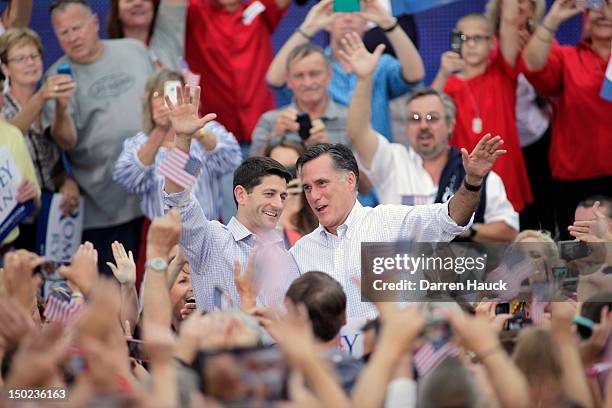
(136, 168)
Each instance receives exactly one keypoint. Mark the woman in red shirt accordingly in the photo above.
(581, 145)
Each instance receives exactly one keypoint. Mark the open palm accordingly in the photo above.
(184, 115)
(480, 161)
(362, 62)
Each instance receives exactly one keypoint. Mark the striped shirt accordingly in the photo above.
(340, 256)
(211, 249)
(137, 178)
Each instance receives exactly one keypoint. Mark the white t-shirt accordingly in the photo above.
(399, 178)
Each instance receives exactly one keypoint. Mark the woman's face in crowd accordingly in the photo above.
(180, 291)
(136, 13)
(600, 22)
(24, 64)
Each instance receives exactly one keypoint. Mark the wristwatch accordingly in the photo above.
(157, 264)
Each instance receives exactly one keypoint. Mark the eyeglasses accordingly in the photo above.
(23, 58)
(77, 29)
(476, 39)
(431, 118)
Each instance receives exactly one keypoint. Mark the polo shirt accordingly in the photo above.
(334, 119)
(581, 144)
(232, 52)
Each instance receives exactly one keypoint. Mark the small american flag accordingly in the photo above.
(180, 167)
(427, 357)
(59, 310)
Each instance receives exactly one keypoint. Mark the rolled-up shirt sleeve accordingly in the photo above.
(130, 172)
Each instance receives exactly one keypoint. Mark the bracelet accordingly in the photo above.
(388, 30)
(471, 187)
(76, 295)
(308, 37)
(547, 28)
(489, 352)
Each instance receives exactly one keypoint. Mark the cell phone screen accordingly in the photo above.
(247, 377)
(170, 88)
(303, 120)
(502, 308)
(456, 41)
(347, 6)
(136, 349)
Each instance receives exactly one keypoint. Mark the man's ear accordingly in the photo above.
(240, 194)
(352, 180)
(451, 129)
(5, 72)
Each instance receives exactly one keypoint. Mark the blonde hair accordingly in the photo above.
(14, 37)
(493, 13)
(552, 251)
(537, 355)
(154, 82)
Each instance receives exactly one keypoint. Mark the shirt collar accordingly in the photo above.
(332, 109)
(346, 229)
(240, 232)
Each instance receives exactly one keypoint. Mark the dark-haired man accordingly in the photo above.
(211, 248)
(325, 301)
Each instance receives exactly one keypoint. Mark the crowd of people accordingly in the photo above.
(165, 302)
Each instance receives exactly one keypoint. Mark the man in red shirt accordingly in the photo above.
(581, 144)
(228, 42)
(484, 92)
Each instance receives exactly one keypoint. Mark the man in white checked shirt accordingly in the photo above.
(211, 248)
(330, 177)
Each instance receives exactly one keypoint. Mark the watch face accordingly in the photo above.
(158, 264)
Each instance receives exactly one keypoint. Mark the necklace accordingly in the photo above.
(477, 120)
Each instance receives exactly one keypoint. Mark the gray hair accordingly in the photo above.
(449, 107)
(304, 50)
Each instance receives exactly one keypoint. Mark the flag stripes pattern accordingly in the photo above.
(427, 357)
(180, 167)
(58, 310)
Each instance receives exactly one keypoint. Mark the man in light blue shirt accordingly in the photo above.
(392, 78)
(211, 248)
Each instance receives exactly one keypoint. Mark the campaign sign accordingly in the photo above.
(11, 212)
(59, 235)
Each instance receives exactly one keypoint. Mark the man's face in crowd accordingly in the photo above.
(479, 42)
(180, 291)
(427, 129)
(77, 30)
(344, 23)
(308, 78)
(329, 191)
(600, 22)
(264, 205)
(136, 13)
(586, 214)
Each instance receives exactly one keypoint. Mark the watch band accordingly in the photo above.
(471, 187)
